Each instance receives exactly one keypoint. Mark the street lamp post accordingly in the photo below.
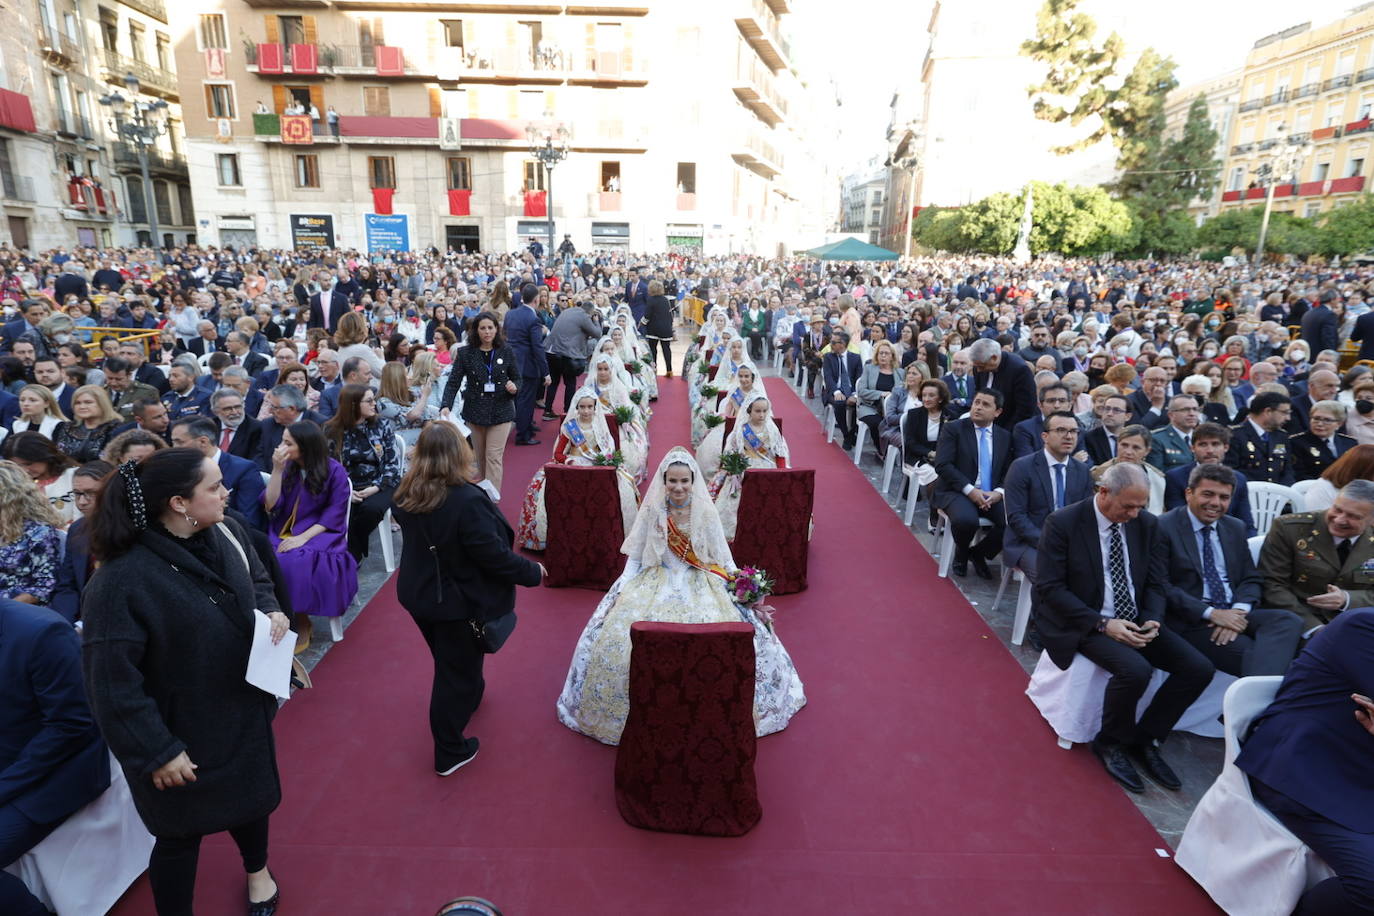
(549, 141)
(140, 131)
(1283, 164)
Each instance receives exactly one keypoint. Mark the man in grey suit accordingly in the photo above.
(570, 342)
(1213, 585)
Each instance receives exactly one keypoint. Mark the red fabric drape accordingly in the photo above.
(304, 59)
(381, 200)
(391, 61)
(270, 58)
(536, 203)
(459, 202)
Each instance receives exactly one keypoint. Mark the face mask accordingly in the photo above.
(1209, 353)
(834, 322)
(410, 313)
(61, 338)
(1179, 342)
(1365, 407)
(1080, 352)
(1122, 351)
(1149, 324)
(1296, 356)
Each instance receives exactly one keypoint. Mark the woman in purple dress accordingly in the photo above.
(307, 502)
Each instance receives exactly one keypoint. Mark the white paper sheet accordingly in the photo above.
(269, 666)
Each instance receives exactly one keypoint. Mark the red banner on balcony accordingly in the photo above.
(1347, 185)
(296, 129)
(536, 203)
(214, 63)
(270, 58)
(74, 193)
(16, 111)
(381, 200)
(391, 61)
(459, 202)
(304, 59)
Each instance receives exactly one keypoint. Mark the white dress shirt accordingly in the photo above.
(1104, 541)
(1220, 559)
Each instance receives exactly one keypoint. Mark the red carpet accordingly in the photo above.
(919, 779)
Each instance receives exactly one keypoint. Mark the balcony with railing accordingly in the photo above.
(1252, 105)
(126, 156)
(1307, 90)
(759, 26)
(756, 87)
(1278, 97)
(17, 188)
(155, 8)
(1337, 82)
(153, 80)
(1361, 126)
(1365, 75)
(1240, 149)
(756, 154)
(57, 46)
(1325, 133)
(70, 124)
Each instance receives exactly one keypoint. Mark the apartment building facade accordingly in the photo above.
(370, 125)
(862, 196)
(1306, 86)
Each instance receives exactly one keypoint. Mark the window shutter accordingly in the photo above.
(469, 35)
(279, 99)
(273, 31)
(436, 102)
(549, 101)
(317, 98)
(312, 36)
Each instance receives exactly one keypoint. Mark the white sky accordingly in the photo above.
(876, 45)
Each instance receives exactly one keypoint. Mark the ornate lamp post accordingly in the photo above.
(1284, 164)
(549, 141)
(146, 122)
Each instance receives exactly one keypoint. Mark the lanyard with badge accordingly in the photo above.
(490, 386)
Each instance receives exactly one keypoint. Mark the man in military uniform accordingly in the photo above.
(1173, 444)
(184, 399)
(122, 389)
(1259, 445)
(1314, 451)
(1317, 564)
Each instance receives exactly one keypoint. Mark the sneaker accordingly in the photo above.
(470, 750)
(550, 415)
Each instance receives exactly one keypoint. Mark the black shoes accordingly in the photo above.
(980, 566)
(1118, 765)
(448, 768)
(266, 907)
(1149, 759)
(530, 441)
(550, 415)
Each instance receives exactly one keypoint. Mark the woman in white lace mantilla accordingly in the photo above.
(676, 570)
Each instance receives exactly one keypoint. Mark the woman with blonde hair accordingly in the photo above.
(93, 424)
(850, 321)
(30, 546)
(39, 411)
(350, 338)
(407, 408)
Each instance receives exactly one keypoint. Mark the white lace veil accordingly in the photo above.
(620, 392)
(758, 389)
(601, 433)
(775, 440)
(647, 541)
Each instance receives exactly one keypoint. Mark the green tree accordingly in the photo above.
(1165, 177)
(1080, 76)
(938, 229)
(1349, 230)
(1288, 234)
(1078, 220)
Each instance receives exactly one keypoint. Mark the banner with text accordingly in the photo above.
(387, 233)
(312, 230)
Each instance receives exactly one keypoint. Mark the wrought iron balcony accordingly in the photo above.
(154, 8)
(152, 79)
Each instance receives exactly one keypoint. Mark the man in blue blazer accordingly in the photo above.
(242, 478)
(1210, 442)
(1310, 757)
(636, 295)
(1213, 586)
(1026, 435)
(971, 460)
(48, 373)
(52, 758)
(840, 372)
(525, 335)
(1038, 484)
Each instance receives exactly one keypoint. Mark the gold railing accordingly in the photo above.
(694, 310)
(121, 334)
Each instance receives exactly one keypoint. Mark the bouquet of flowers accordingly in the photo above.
(624, 414)
(692, 356)
(749, 587)
(709, 391)
(637, 396)
(633, 367)
(613, 460)
(733, 463)
(712, 420)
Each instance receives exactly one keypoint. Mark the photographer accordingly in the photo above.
(575, 332)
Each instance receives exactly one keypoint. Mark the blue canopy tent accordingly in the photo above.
(852, 250)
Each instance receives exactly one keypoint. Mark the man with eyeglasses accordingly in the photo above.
(1173, 444)
(1099, 443)
(286, 405)
(1315, 450)
(1038, 484)
(1147, 405)
(239, 434)
(1025, 438)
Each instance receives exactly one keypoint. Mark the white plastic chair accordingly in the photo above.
(944, 537)
(1233, 847)
(1023, 601)
(1255, 543)
(384, 526)
(1301, 488)
(1267, 502)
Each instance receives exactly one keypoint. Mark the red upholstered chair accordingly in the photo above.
(686, 758)
(730, 425)
(614, 426)
(774, 520)
(585, 527)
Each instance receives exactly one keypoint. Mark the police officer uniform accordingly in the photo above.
(194, 404)
(1311, 456)
(1262, 457)
(1300, 559)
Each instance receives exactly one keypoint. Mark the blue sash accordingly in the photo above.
(574, 433)
(750, 437)
(738, 397)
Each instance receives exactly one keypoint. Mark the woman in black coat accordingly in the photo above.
(458, 572)
(657, 326)
(168, 625)
(922, 427)
(490, 376)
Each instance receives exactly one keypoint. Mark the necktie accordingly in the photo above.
(1188, 441)
(1122, 599)
(1059, 486)
(1265, 438)
(1328, 452)
(1216, 591)
(963, 392)
(1111, 443)
(984, 461)
(1343, 551)
(224, 439)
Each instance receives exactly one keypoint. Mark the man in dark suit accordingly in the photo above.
(77, 565)
(1313, 451)
(31, 311)
(1320, 326)
(1026, 437)
(1100, 592)
(971, 459)
(840, 372)
(1038, 484)
(242, 478)
(1009, 374)
(811, 344)
(327, 306)
(1322, 385)
(959, 381)
(1310, 758)
(1210, 442)
(1100, 441)
(239, 434)
(637, 295)
(1259, 445)
(48, 373)
(525, 335)
(1214, 587)
(1363, 334)
(52, 759)
(9, 408)
(237, 346)
(1148, 404)
(287, 405)
(133, 353)
(206, 339)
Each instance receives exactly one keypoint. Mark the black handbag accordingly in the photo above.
(490, 634)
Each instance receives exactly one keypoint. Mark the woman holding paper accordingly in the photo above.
(168, 628)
